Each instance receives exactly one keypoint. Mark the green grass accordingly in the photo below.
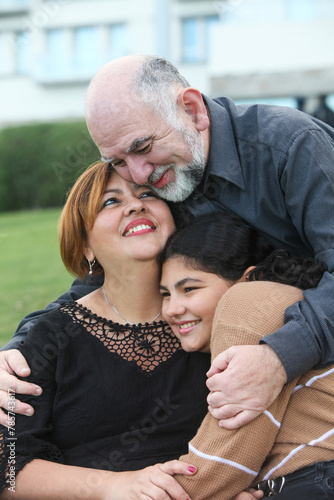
(31, 271)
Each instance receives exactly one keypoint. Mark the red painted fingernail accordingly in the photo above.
(192, 469)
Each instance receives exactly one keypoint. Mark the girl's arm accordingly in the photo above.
(229, 460)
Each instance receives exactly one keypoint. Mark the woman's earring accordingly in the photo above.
(91, 264)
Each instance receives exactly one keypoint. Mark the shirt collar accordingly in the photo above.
(223, 158)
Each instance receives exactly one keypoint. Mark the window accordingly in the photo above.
(191, 40)
(272, 101)
(196, 38)
(118, 41)
(86, 49)
(2, 69)
(13, 4)
(330, 101)
(78, 53)
(23, 53)
(301, 10)
(57, 53)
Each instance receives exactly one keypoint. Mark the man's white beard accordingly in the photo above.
(187, 177)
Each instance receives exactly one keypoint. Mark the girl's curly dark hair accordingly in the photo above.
(226, 245)
(280, 266)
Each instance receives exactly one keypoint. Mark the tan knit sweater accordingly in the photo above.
(298, 428)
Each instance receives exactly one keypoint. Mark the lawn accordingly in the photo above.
(31, 271)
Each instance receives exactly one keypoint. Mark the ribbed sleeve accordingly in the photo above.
(229, 461)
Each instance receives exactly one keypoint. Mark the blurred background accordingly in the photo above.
(282, 50)
(269, 51)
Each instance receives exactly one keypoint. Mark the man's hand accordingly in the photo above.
(244, 381)
(249, 494)
(12, 362)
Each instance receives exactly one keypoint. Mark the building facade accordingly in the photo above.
(246, 49)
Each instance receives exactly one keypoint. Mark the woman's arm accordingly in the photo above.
(41, 479)
(34, 475)
(229, 460)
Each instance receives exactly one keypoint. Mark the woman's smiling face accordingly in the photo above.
(190, 298)
(133, 223)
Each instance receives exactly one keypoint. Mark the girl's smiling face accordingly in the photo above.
(190, 298)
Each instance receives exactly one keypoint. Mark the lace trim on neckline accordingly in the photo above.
(147, 345)
(105, 320)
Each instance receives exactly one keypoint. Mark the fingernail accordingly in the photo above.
(38, 391)
(24, 370)
(192, 469)
(28, 412)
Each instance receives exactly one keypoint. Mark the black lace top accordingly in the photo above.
(116, 397)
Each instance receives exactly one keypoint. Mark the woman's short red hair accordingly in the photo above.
(78, 217)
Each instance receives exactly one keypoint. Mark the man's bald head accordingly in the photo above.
(110, 83)
(131, 81)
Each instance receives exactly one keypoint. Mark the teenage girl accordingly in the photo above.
(223, 286)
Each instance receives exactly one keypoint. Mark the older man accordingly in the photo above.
(272, 166)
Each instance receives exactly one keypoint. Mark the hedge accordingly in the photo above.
(39, 163)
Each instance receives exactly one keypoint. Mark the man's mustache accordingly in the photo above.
(158, 172)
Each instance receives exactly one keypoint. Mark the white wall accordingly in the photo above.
(283, 46)
(274, 47)
(24, 102)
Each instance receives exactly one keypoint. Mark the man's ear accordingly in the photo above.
(245, 276)
(191, 101)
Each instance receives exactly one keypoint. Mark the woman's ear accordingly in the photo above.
(88, 253)
(191, 101)
(245, 276)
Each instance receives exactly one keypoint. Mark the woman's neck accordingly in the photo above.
(133, 292)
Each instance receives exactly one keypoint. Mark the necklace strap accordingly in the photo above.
(120, 315)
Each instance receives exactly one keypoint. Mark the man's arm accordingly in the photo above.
(244, 381)
(307, 180)
(12, 362)
(79, 288)
(307, 337)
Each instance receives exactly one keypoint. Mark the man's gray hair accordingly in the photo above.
(155, 82)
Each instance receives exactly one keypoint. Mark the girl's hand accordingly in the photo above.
(155, 482)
